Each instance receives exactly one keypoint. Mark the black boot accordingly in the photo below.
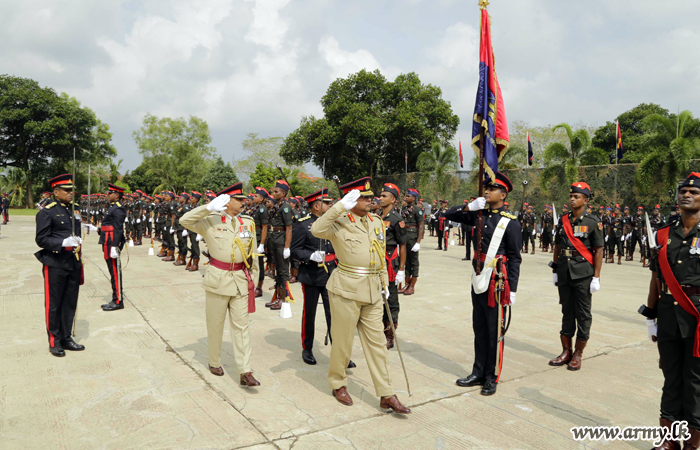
(308, 357)
(57, 350)
(69, 344)
(113, 306)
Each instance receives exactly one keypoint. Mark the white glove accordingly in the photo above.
(71, 241)
(261, 249)
(199, 237)
(606, 238)
(622, 238)
(219, 203)
(132, 220)
(554, 232)
(534, 232)
(184, 233)
(350, 199)
(400, 277)
(477, 204)
(416, 247)
(138, 220)
(316, 257)
(113, 253)
(595, 285)
(644, 239)
(555, 278)
(172, 230)
(286, 252)
(512, 298)
(652, 329)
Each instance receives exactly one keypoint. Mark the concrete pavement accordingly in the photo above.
(143, 382)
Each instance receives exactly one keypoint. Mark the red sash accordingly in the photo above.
(576, 241)
(235, 268)
(390, 266)
(109, 237)
(675, 288)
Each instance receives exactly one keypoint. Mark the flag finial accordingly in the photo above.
(483, 4)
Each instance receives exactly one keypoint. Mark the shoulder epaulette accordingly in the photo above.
(50, 205)
(376, 215)
(246, 216)
(510, 216)
(118, 204)
(304, 218)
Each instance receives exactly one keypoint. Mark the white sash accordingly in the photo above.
(480, 283)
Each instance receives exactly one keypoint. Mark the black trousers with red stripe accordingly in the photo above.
(308, 319)
(485, 325)
(61, 289)
(117, 289)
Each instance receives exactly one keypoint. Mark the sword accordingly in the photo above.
(337, 184)
(650, 234)
(385, 297)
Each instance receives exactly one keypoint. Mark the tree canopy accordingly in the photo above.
(371, 125)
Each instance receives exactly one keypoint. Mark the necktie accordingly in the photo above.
(364, 223)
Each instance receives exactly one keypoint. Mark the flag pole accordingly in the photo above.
(482, 135)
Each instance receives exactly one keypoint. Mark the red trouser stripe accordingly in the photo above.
(116, 280)
(303, 318)
(47, 301)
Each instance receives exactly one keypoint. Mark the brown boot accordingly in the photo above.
(551, 249)
(389, 333)
(575, 363)
(247, 379)
(667, 445)
(181, 260)
(293, 277)
(565, 356)
(630, 257)
(258, 292)
(402, 286)
(274, 299)
(281, 296)
(410, 289)
(694, 442)
(163, 252)
(170, 257)
(619, 260)
(525, 250)
(189, 264)
(195, 265)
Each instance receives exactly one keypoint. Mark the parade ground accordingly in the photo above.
(143, 380)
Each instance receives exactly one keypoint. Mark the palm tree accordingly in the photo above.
(558, 157)
(437, 161)
(13, 181)
(671, 145)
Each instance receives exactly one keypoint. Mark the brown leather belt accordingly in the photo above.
(278, 228)
(411, 227)
(689, 290)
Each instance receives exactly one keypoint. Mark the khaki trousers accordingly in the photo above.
(348, 316)
(237, 308)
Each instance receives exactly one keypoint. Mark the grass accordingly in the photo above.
(23, 212)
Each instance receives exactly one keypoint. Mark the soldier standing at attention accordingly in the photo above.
(673, 317)
(415, 227)
(62, 264)
(618, 236)
(228, 283)
(576, 264)
(638, 233)
(5, 208)
(169, 232)
(281, 220)
(193, 264)
(547, 224)
(531, 227)
(140, 216)
(469, 235)
(441, 225)
(180, 231)
(112, 240)
(260, 216)
(627, 233)
(129, 223)
(501, 238)
(395, 240)
(355, 290)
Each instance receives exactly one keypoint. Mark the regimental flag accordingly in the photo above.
(618, 141)
(489, 110)
(461, 155)
(530, 153)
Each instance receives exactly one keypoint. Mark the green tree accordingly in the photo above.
(177, 151)
(436, 164)
(671, 143)
(370, 125)
(142, 178)
(39, 130)
(220, 175)
(13, 181)
(560, 159)
(259, 150)
(514, 158)
(633, 130)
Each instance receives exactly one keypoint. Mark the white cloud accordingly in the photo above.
(268, 27)
(343, 63)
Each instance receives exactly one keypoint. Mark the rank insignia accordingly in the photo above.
(286, 210)
(387, 223)
(262, 210)
(402, 224)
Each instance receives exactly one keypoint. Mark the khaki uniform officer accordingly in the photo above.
(355, 290)
(229, 279)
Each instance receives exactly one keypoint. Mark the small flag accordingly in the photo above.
(461, 155)
(619, 142)
(530, 153)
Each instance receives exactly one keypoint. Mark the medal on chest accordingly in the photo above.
(379, 233)
(694, 246)
(580, 231)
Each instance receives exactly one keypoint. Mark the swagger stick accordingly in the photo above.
(385, 290)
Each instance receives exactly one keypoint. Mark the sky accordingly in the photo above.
(259, 66)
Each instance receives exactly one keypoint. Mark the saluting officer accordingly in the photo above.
(355, 290)
(62, 265)
(281, 219)
(261, 217)
(395, 240)
(228, 282)
(576, 263)
(414, 219)
(112, 241)
(501, 241)
(672, 313)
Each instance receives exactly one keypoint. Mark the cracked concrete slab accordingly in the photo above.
(143, 379)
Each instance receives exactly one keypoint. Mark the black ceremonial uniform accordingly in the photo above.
(312, 276)
(62, 269)
(413, 218)
(112, 235)
(485, 317)
(261, 216)
(280, 216)
(395, 237)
